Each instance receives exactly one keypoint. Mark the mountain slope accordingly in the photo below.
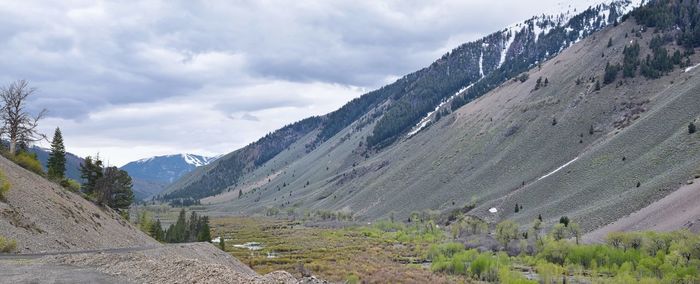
(152, 175)
(574, 146)
(41, 216)
(394, 110)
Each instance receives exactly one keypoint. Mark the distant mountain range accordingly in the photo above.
(151, 175)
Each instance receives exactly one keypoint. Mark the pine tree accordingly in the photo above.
(156, 231)
(113, 189)
(178, 229)
(691, 128)
(204, 230)
(91, 171)
(57, 158)
(222, 243)
(564, 220)
(517, 208)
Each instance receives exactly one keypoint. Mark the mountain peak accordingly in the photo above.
(153, 173)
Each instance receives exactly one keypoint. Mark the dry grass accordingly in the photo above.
(368, 254)
(7, 245)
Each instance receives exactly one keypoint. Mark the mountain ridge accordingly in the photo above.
(150, 175)
(395, 109)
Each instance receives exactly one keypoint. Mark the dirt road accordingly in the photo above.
(14, 271)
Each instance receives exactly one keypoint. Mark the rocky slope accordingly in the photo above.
(184, 263)
(41, 216)
(63, 238)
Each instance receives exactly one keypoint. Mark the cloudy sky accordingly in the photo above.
(134, 79)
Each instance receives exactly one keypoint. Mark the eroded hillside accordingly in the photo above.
(42, 216)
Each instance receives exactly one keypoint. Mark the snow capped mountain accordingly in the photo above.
(152, 174)
(411, 104)
(530, 41)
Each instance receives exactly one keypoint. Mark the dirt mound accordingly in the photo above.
(42, 217)
(186, 263)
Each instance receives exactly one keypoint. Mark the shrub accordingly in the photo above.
(506, 231)
(445, 250)
(4, 186)
(70, 184)
(29, 161)
(352, 279)
(523, 77)
(691, 128)
(564, 220)
(7, 245)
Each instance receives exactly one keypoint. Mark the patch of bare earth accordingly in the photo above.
(184, 263)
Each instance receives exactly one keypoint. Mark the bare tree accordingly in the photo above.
(18, 125)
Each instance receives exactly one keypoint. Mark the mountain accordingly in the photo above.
(72, 161)
(583, 115)
(151, 175)
(393, 110)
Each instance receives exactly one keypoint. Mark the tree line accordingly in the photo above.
(193, 229)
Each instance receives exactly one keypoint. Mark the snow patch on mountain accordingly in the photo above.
(429, 117)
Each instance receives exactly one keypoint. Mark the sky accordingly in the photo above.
(134, 79)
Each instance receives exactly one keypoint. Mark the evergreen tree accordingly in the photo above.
(156, 231)
(193, 227)
(517, 208)
(204, 230)
(91, 171)
(57, 158)
(564, 220)
(691, 128)
(178, 229)
(222, 243)
(113, 189)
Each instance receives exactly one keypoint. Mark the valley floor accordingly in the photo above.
(331, 250)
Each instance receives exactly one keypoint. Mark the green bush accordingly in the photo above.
(29, 161)
(352, 279)
(70, 184)
(4, 186)
(444, 250)
(7, 245)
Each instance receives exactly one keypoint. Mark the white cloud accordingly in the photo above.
(200, 122)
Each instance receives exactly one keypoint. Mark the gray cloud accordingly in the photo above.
(127, 76)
